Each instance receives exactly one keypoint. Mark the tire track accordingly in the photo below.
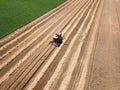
(94, 35)
(86, 57)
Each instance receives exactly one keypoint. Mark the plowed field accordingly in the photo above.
(88, 58)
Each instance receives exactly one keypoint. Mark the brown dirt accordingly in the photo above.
(88, 59)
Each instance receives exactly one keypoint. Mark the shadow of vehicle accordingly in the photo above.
(56, 42)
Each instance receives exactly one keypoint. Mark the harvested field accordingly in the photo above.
(88, 58)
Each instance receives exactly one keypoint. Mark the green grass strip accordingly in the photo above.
(17, 13)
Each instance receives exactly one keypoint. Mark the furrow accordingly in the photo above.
(32, 68)
(84, 72)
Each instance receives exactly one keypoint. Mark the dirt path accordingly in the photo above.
(105, 74)
(87, 59)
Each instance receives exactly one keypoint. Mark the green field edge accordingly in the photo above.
(16, 14)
